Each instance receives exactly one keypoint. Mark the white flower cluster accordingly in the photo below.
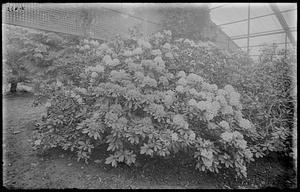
(144, 44)
(180, 40)
(192, 102)
(190, 42)
(168, 32)
(222, 100)
(234, 98)
(157, 64)
(119, 75)
(246, 124)
(194, 79)
(227, 110)
(181, 74)
(164, 80)
(210, 109)
(160, 64)
(174, 137)
(96, 69)
(167, 46)
(156, 52)
(193, 92)
(234, 136)
(95, 43)
(180, 89)
(157, 110)
(88, 44)
(74, 96)
(149, 81)
(132, 94)
(110, 62)
(158, 35)
(225, 125)
(139, 76)
(182, 81)
(137, 51)
(103, 46)
(229, 88)
(179, 121)
(169, 55)
(209, 87)
(81, 90)
(58, 83)
(169, 98)
(192, 135)
(227, 136)
(134, 67)
(238, 115)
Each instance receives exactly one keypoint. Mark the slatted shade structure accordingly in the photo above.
(93, 20)
(100, 21)
(268, 23)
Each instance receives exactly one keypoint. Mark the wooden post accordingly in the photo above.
(248, 39)
(285, 43)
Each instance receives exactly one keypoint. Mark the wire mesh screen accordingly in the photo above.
(97, 22)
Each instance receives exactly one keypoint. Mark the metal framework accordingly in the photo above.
(285, 29)
(283, 23)
(57, 19)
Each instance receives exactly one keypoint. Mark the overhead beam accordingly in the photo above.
(282, 22)
(264, 33)
(261, 45)
(216, 7)
(252, 18)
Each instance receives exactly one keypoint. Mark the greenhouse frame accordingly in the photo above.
(237, 26)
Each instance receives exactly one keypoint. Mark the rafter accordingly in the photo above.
(283, 22)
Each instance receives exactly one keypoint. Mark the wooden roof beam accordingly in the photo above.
(282, 22)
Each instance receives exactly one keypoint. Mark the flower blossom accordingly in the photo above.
(225, 125)
(107, 60)
(174, 137)
(192, 102)
(179, 120)
(227, 136)
(234, 99)
(156, 52)
(244, 123)
(137, 51)
(169, 55)
(193, 78)
(182, 82)
(180, 89)
(167, 46)
(181, 74)
(229, 89)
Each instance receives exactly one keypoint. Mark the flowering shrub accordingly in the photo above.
(130, 95)
(265, 88)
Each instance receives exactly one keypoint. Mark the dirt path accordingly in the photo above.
(23, 168)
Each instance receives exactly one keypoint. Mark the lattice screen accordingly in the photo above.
(70, 19)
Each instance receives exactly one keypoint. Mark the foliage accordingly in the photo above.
(130, 95)
(266, 88)
(29, 53)
(186, 22)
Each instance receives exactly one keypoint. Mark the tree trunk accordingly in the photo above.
(13, 87)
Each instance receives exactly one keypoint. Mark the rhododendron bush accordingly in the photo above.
(129, 95)
(266, 88)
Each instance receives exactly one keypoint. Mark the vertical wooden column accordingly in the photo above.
(285, 45)
(248, 39)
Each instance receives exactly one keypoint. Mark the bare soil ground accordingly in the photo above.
(23, 168)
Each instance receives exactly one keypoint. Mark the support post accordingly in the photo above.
(248, 34)
(285, 43)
